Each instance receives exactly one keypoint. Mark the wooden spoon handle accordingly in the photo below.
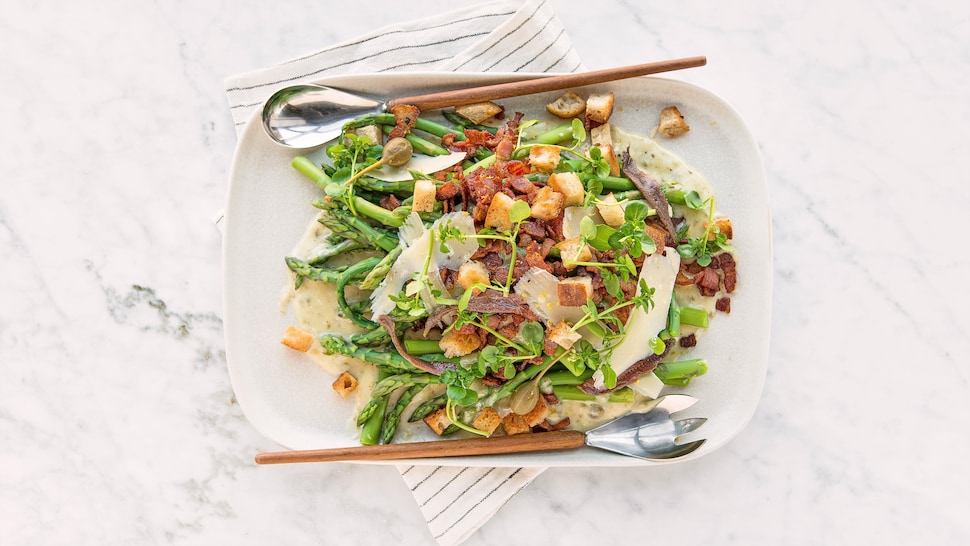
(543, 84)
(519, 443)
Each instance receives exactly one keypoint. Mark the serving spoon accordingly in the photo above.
(651, 435)
(308, 115)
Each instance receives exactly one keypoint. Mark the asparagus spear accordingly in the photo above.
(377, 274)
(352, 227)
(304, 270)
(393, 417)
(386, 359)
(360, 268)
(427, 408)
(374, 418)
(681, 372)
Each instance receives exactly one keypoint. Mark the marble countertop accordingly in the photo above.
(117, 417)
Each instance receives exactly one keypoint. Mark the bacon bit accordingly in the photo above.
(688, 341)
(390, 201)
(707, 281)
(405, 116)
(492, 380)
(546, 426)
(534, 228)
(448, 190)
(681, 279)
(723, 305)
(534, 257)
(524, 186)
(729, 267)
(546, 247)
(509, 136)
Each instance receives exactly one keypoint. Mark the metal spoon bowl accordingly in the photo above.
(651, 435)
(306, 115)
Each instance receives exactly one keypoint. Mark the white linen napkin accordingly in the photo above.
(502, 36)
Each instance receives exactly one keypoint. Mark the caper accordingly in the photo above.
(397, 152)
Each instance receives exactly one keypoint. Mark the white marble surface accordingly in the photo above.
(117, 418)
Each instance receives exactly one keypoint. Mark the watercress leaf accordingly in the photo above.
(587, 227)
(456, 392)
(532, 333)
(342, 175)
(609, 376)
(636, 212)
(704, 260)
(335, 190)
(594, 186)
(578, 130)
(596, 329)
(647, 244)
(519, 211)
(693, 200)
(509, 370)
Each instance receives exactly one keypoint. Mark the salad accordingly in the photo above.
(498, 272)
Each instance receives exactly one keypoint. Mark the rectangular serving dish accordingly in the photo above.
(290, 400)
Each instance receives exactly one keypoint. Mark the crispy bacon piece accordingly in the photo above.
(390, 201)
(688, 341)
(707, 281)
(405, 116)
(723, 305)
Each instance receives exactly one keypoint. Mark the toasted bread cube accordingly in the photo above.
(373, 133)
(611, 211)
(569, 105)
(724, 226)
(561, 334)
(574, 291)
(601, 135)
(573, 250)
(437, 421)
(487, 420)
(498, 215)
(515, 424)
(424, 194)
(602, 138)
(599, 107)
(544, 158)
(472, 272)
(672, 123)
(479, 112)
(570, 186)
(548, 204)
(538, 413)
(297, 339)
(345, 384)
(658, 234)
(455, 343)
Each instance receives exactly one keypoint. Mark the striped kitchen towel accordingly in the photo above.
(503, 36)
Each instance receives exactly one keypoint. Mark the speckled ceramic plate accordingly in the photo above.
(290, 400)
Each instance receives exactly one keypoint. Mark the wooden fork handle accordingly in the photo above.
(519, 443)
(541, 85)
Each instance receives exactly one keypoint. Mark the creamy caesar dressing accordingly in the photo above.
(315, 308)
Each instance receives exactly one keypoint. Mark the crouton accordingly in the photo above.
(574, 291)
(538, 413)
(498, 215)
(561, 334)
(599, 108)
(672, 123)
(573, 250)
(373, 133)
(570, 186)
(297, 339)
(658, 234)
(472, 272)
(437, 421)
(547, 204)
(544, 158)
(569, 105)
(479, 112)
(455, 343)
(602, 138)
(345, 384)
(424, 194)
(487, 420)
(723, 225)
(611, 211)
(515, 424)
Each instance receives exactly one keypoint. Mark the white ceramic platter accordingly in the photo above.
(290, 400)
